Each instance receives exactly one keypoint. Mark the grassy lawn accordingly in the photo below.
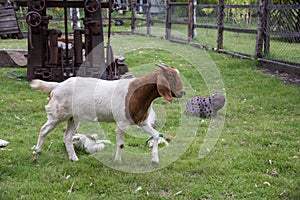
(245, 44)
(235, 42)
(256, 155)
(13, 44)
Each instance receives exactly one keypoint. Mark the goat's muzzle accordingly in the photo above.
(179, 94)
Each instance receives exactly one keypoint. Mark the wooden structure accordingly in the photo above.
(9, 27)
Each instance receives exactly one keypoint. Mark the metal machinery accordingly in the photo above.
(54, 56)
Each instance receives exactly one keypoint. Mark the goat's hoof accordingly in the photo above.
(36, 152)
(34, 159)
(74, 159)
(117, 160)
(155, 163)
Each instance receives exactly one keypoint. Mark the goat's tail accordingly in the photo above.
(43, 86)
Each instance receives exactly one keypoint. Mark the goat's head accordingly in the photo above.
(164, 82)
(169, 83)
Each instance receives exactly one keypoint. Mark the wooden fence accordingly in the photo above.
(262, 32)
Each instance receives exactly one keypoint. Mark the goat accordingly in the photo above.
(89, 143)
(124, 101)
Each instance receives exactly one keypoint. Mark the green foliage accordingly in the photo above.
(284, 1)
(208, 11)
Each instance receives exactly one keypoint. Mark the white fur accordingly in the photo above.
(90, 144)
(3, 143)
(160, 140)
(90, 99)
(94, 100)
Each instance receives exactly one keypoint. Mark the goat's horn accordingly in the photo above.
(162, 66)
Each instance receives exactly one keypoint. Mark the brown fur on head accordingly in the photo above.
(164, 82)
(169, 83)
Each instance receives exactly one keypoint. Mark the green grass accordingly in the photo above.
(245, 44)
(13, 44)
(255, 157)
(235, 42)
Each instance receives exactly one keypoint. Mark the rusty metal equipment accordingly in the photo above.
(56, 56)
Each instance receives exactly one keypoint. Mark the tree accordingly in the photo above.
(237, 14)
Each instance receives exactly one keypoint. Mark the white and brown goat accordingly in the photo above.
(125, 101)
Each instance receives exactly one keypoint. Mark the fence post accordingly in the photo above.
(267, 18)
(148, 17)
(133, 16)
(190, 20)
(261, 30)
(220, 25)
(168, 20)
(297, 38)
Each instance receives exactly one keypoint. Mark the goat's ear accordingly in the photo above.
(163, 88)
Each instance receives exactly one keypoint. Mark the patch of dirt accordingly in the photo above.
(285, 77)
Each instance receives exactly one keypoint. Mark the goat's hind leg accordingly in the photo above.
(120, 140)
(120, 143)
(46, 128)
(71, 127)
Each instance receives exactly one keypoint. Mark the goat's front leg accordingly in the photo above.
(68, 140)
(120, 143)
(148, 128)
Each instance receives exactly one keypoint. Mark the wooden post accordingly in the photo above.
(297, 28)
(133, 16)
(148, 17)
(168, 20)
(267, 19)
(261, 30)
(220, 25)
(190, 20)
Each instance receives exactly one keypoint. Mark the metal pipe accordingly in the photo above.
(66, 31)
